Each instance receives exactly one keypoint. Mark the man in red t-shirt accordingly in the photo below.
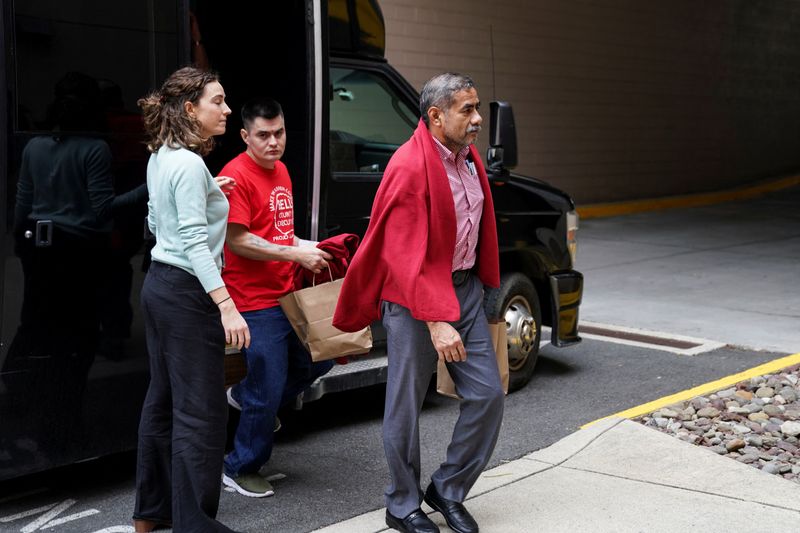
(260, 252)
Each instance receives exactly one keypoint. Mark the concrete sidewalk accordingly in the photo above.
(725, 272)
(619, 476)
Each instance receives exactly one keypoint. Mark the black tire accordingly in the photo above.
(517, 303)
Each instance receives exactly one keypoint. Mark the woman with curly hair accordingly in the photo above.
(187, 310)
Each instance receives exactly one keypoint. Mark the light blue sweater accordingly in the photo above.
(188, 214)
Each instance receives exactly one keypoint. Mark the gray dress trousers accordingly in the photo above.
(412, 361)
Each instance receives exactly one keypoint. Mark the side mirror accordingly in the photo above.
(502, 153)
(343, 94)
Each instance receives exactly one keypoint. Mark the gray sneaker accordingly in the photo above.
(233, 403)
(251, 485)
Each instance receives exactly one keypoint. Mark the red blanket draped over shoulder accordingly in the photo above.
(406, 256)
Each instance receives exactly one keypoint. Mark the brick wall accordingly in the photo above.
(621, 99)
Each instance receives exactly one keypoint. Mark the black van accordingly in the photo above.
(73, 364)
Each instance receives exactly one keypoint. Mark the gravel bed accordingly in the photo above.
(756, 422)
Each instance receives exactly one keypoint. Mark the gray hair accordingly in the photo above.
(440, 90)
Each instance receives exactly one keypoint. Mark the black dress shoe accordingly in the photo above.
(142, 525)
(455, 514)
(415, 522)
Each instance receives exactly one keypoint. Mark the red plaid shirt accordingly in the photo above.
(468, 200)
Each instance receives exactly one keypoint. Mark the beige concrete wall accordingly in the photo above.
(622, 99)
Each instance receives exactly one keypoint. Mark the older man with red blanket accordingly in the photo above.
(430, 248)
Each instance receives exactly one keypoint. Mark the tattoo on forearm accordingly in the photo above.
(266, 245)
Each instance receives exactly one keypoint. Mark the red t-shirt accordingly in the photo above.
(262, 202)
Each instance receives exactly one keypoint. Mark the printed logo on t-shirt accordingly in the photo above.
(282, 207)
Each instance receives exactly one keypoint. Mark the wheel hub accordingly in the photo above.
(521, 332)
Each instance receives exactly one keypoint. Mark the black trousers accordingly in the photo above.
(183, 424)
(53, 349)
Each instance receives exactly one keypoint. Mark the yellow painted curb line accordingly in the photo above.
(689, 200)
(706, 388)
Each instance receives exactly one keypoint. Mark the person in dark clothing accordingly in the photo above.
(62, 223)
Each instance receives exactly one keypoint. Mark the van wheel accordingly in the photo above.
(516, 301)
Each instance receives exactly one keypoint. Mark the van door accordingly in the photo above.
(370, 115)
(264, 49)
(73, 365)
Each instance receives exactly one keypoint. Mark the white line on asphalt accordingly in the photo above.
(116, 529)
(704, 345)
(70, 518)
(24, 514)
(46, 517)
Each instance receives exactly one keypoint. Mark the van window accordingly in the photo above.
(126, 46)
(78, 66)
(368, 121)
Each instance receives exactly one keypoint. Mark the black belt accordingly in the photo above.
(460, 276)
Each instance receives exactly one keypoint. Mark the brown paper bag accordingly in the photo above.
(310, 311)
(444, 383)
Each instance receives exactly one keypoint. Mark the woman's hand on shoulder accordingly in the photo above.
(226, 183)
(236, 331)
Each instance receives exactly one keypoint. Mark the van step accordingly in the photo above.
(360, 371)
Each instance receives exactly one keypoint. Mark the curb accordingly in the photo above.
(705, 388)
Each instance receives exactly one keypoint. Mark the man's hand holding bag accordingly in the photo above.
(444, 383)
